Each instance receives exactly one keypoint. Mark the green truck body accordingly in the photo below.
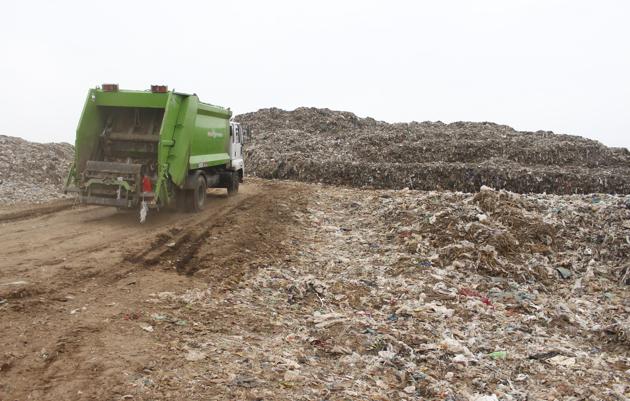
(150, 148)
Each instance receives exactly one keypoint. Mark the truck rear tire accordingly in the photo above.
(181, 200)
(197, 197)
(232, 187)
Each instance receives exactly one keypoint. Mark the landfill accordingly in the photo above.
(333, 147)
(414, 295)
(32, 172)
(398, 271)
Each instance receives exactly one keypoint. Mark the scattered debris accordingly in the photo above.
(564, 273)
(561, 360)
(195, 355)
(498, 355)
(21, 282)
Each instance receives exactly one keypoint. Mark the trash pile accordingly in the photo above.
(409, 295)
(321, 145)
(32, 172)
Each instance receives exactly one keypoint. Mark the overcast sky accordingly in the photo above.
(552, 65)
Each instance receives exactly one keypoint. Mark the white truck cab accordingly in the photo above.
(237, 133)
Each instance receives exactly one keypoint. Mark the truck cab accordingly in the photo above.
(237, 136)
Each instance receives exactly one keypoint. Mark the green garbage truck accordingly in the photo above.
(155, 148)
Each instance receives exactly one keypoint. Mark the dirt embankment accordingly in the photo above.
(321, 145)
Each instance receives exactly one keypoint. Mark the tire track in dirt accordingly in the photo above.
(179, 236)
(36, 211)
(77, 314)
(186, 245)
(185, 242)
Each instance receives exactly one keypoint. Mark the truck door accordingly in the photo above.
(238, 142)
(236, 148)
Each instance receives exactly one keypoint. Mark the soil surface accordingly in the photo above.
(78, 285)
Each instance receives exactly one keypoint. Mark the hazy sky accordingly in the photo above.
(552, 65)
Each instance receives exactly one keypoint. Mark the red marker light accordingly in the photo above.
(159, 88)
(110, 87)
(147, 186)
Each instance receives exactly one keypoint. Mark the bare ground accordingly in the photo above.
(77, 285)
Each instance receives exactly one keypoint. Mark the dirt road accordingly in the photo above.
(77, 283)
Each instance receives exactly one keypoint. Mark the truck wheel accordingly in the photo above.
(233, 184)
(181, 200)
(197, 196)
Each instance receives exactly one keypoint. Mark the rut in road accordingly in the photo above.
(72, 322)
(94, 238)
(180, 244)
(30, 212)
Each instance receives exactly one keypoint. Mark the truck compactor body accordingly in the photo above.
(150, 149)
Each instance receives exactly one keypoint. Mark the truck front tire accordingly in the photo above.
(232, 187)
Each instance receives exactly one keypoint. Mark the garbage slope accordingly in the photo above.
(32, 172)
(322, 145)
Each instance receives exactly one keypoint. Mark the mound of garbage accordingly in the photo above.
(32, 172)
(417, 295)
(339, 148)
(443, 295)
(452, 296)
